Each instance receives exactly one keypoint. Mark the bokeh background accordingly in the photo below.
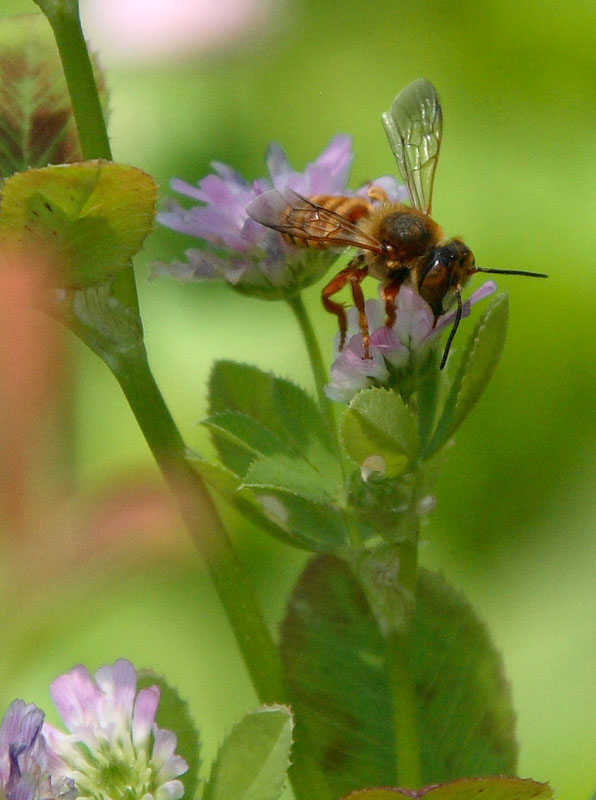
(108, 570)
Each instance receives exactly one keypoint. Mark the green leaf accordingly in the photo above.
(292, 494)
(229, 486)
(173, 714)
(36, 121)
(476, 368)
(378, 423)
(90, 218)
(288, 474)
(499, 788)
(244, 438)
(281, 407)
(334, 657)
(294, 520)
(253, 761)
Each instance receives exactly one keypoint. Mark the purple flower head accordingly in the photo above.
(390, 348)
(251, 257)
(115, 749)
(27, 765)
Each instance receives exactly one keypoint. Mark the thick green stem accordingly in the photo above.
(63, 16)
(405, 712)
(405, 701)
(235, 591)
(316, 359)
(260, 654)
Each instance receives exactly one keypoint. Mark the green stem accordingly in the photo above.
(316, 359)
(63, 16)
(405, 701)
(231, 582)
(233, 586)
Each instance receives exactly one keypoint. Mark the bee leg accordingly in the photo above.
(354, 275)
(355, 280)
(389, 293)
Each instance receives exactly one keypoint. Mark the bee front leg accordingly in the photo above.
(353, 274)
(389, 294)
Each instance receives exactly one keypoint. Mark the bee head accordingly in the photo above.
(448, 267)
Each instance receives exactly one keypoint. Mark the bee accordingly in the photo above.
(398, 244)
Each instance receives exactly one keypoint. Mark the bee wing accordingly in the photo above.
(294, 215)
(413, 125)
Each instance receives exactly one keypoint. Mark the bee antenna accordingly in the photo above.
(511, 272)
(454, 328)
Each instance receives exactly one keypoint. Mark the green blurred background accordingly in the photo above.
(515, 525)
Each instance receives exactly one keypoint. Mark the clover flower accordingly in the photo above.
(252, 258)
(114, 749)
(390, 348)
(27, 765)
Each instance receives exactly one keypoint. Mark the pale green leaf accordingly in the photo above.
(377, 423)
(476, 368)
(89, 218)
(253, 761)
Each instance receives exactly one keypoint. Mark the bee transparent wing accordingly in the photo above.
(301, 219)
(413, 125)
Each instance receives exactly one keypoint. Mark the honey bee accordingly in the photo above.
(399, 244)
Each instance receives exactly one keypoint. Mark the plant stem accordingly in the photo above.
(63, 16)
(233, 586)
(405, 712)
(316, 359)
(405, 701)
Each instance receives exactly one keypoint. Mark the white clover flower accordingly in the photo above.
(114, 751)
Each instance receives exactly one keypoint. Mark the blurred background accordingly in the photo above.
(103, 568)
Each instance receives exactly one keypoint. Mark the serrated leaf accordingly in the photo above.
(36, 121)
(292, 519)
(334, 657)
(246, 438)
(291, 475)
(229, 486)
(173, 714)
(378, 423)
(252, 762)
(476, 368)
(91, 218)
(280, 406)
(499, 788)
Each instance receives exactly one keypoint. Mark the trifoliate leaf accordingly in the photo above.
(476, 368)
(89, 218)
(378, 423)
(281, 407)
(334, 657)
(253, 761)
